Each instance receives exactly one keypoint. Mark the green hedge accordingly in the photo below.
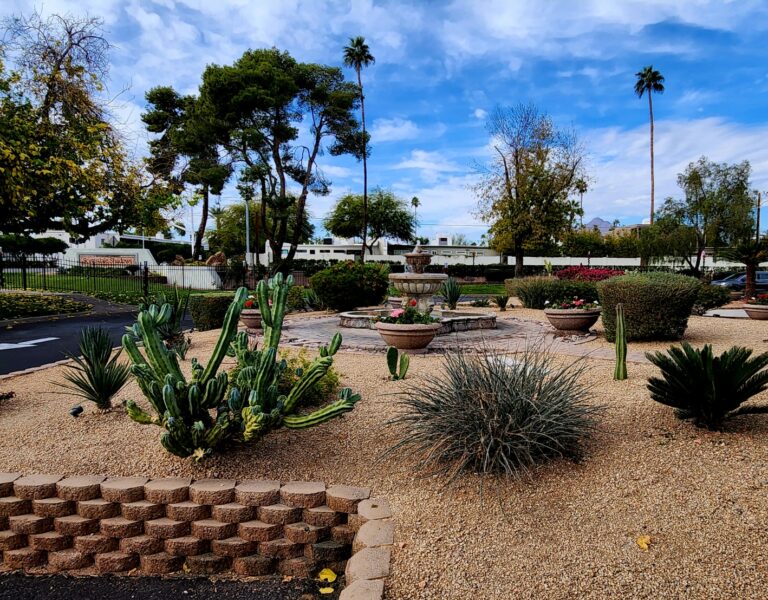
(534, 292)
(656, 305)
(348, 285)
(709, 297)
(208, 311)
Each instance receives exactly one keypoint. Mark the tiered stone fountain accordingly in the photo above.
(417, 285)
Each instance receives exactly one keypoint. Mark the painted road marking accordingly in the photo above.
(29, 344)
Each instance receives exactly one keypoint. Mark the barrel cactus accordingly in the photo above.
(212, 409)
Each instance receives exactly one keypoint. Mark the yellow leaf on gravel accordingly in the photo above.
(326, 590)
(644, 542)
(327, 575)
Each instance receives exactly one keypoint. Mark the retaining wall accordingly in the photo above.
(96, 524)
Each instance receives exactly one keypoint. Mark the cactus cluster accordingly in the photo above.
(212, 409)
(397, 371)
(620, 373)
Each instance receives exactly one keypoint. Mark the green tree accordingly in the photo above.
(185, 151)
(257, 105)
(525, 192)
(357, 55)
(649, 81)
(581, 188)
(62, 163)
(583, 242)
(388, 216)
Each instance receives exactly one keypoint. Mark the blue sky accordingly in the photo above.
(441, 66)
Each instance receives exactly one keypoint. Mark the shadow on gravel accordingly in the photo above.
(62, 587)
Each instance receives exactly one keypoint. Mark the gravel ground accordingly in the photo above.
(568, 532)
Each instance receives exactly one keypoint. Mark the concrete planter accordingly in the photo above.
(408, 337)
(758, 312)
(572, 319)
(251, 318)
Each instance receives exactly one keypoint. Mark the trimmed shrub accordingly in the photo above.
(709, 389)
(656, 305)
(347, 285)
(492, 414)
(534, 292)
(580, 273)
(208, 311)
(709, 297)
(295, 300)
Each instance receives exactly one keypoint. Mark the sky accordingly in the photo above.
(441, 67)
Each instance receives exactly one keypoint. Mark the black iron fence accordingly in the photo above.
(102, 275)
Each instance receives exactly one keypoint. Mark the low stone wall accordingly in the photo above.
(113, 525)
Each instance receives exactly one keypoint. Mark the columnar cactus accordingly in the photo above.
(212, 409)
(620, 372)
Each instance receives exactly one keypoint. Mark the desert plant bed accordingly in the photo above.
(17, 306)
(568, 527)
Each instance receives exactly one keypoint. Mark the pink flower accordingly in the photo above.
(396, 313)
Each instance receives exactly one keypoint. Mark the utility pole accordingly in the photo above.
(247, 234)
(757, 228)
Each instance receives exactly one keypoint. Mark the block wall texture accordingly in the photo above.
(161, 526)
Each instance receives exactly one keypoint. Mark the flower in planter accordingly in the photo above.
(249, 303)
(396, 313)
(759, 299)
(408, 316)
(575, 303)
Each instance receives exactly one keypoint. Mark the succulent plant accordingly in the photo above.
(396, 371)
(620, 373)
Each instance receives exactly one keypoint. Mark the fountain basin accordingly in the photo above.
(450, 320)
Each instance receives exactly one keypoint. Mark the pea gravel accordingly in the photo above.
(568, 532)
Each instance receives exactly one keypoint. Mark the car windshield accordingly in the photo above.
(732, 277)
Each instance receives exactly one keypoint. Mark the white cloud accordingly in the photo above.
(393, 130)
(479, 113)
(429, 164)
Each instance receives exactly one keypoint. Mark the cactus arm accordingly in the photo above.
(159, 357)
(228, 331)
(620, 372)
(405, 362)
(312, 375)
(345, 403)
(136, 413)
(263, 298)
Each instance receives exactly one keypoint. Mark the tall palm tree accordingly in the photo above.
(415, 202)
(581, 188)
(650, 81)
(357, 55)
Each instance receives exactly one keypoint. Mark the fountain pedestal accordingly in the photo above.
(418, 285)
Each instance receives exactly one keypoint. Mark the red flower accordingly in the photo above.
(413, 302)
(249, 304)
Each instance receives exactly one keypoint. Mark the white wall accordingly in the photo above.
(197, 278)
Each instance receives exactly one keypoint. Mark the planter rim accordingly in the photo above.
(572, 311)
(412, 326)
(757, 306)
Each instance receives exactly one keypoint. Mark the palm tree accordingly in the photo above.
(650, 81)
(750, 253)
(357, 55)
(581, 188)
(415, 202)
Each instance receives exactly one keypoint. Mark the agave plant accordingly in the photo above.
(96, 375)
(451, 291)
(705, 388)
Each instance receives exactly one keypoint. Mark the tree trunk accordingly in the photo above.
(519, 253)
(365, 167)
(653, 185)
(198, 250)
(749, 284)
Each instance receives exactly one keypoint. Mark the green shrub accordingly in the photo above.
(656, 305)
(295, 300)
(709, 297)
(501, 301)
(451, 291)
(208, 311)
(323, 390)
(705, 388)
(534, 292)
(96, 375)
(348, 285)
(490, 414)
(17, 306)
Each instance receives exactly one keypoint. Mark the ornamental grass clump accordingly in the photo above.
(709, 389)
(490, 413)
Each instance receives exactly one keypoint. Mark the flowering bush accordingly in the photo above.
(408, 316)
(575, 303)
(759, 299)
(587, 273)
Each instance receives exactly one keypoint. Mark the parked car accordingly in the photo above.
(737, 281)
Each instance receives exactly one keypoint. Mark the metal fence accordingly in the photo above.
(105, 277)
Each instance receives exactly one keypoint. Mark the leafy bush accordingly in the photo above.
(533, 292)
(580, 273)
(326, 388)
(705, 388)
(96, 374)
(656, 305)
(132, 297)
(709, 297)
(501, 301)
(347, 285)
(17, 306)
(208, 311)
(490, 414)
(480, 303)
(313, 300)
(295, 300)
(451, 291)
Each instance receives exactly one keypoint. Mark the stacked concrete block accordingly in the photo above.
(161, 526)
